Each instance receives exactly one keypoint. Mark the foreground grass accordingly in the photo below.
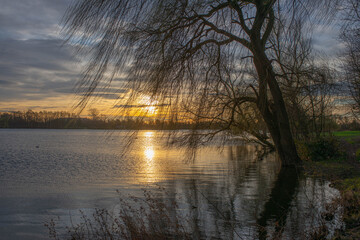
(344, 174)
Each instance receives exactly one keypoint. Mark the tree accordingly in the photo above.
(209, 57)
(308, 85)
(94, 113)
(351, 38)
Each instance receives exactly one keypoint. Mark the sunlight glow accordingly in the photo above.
(148, 134)
(151, 110)
(149, 167)
(149, 151)
(149, 106)
(149, 154)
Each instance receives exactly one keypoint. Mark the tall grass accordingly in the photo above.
(151, 217)
(137, 218)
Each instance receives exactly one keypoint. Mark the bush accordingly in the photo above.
(323, 149)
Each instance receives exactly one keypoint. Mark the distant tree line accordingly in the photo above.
(67, 120)
(41, 119)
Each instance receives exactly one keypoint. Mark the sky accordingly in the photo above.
(38, 71)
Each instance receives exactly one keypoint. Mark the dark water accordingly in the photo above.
(49, 173)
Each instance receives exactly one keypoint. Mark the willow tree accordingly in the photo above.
(205, 58)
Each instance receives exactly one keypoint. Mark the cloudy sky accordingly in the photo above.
(37, 71)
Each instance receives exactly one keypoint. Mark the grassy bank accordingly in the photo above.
(343, 170)
(347, 134)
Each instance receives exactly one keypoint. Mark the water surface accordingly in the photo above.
(47, 174)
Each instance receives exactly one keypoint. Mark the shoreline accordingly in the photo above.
(344, 175)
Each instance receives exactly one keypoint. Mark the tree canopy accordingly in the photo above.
(204, 59)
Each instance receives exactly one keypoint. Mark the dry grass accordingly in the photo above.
(138, 218)
(151, 217)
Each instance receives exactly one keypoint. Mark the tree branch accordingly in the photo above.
(269, 27)
(238, 9)
(242, 41)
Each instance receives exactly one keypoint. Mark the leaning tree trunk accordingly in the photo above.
(274, 111)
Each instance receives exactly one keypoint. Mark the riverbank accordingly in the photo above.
(344, 174)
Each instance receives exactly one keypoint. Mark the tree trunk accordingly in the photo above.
(274, 111)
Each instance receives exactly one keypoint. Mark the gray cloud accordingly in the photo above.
(36, 66)
(110, 96)
(21, 19)
(34, 63)
(5, 83)
(327, 40)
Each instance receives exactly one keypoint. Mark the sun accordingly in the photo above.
(151, 110)
(149, 106)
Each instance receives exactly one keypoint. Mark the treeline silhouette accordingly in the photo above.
(67, 120)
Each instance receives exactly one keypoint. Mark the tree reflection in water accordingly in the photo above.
(250, 199)
(240, 197)
(278, 206)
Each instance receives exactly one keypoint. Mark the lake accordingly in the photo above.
(52, 174)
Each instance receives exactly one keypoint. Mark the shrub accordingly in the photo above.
(323, 149)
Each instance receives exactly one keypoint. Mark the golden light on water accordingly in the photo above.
(149, 153)
(149, 135)
(150, 168)
(154, 161)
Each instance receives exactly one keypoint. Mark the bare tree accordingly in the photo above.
(94, 113)
(308, 85)
(183, 53)
(351, 38)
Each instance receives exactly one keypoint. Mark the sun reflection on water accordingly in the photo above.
(149, 153)
(150, 170)
(149, 136)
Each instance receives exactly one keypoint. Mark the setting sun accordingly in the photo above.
(148, 106)
(151, 110)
